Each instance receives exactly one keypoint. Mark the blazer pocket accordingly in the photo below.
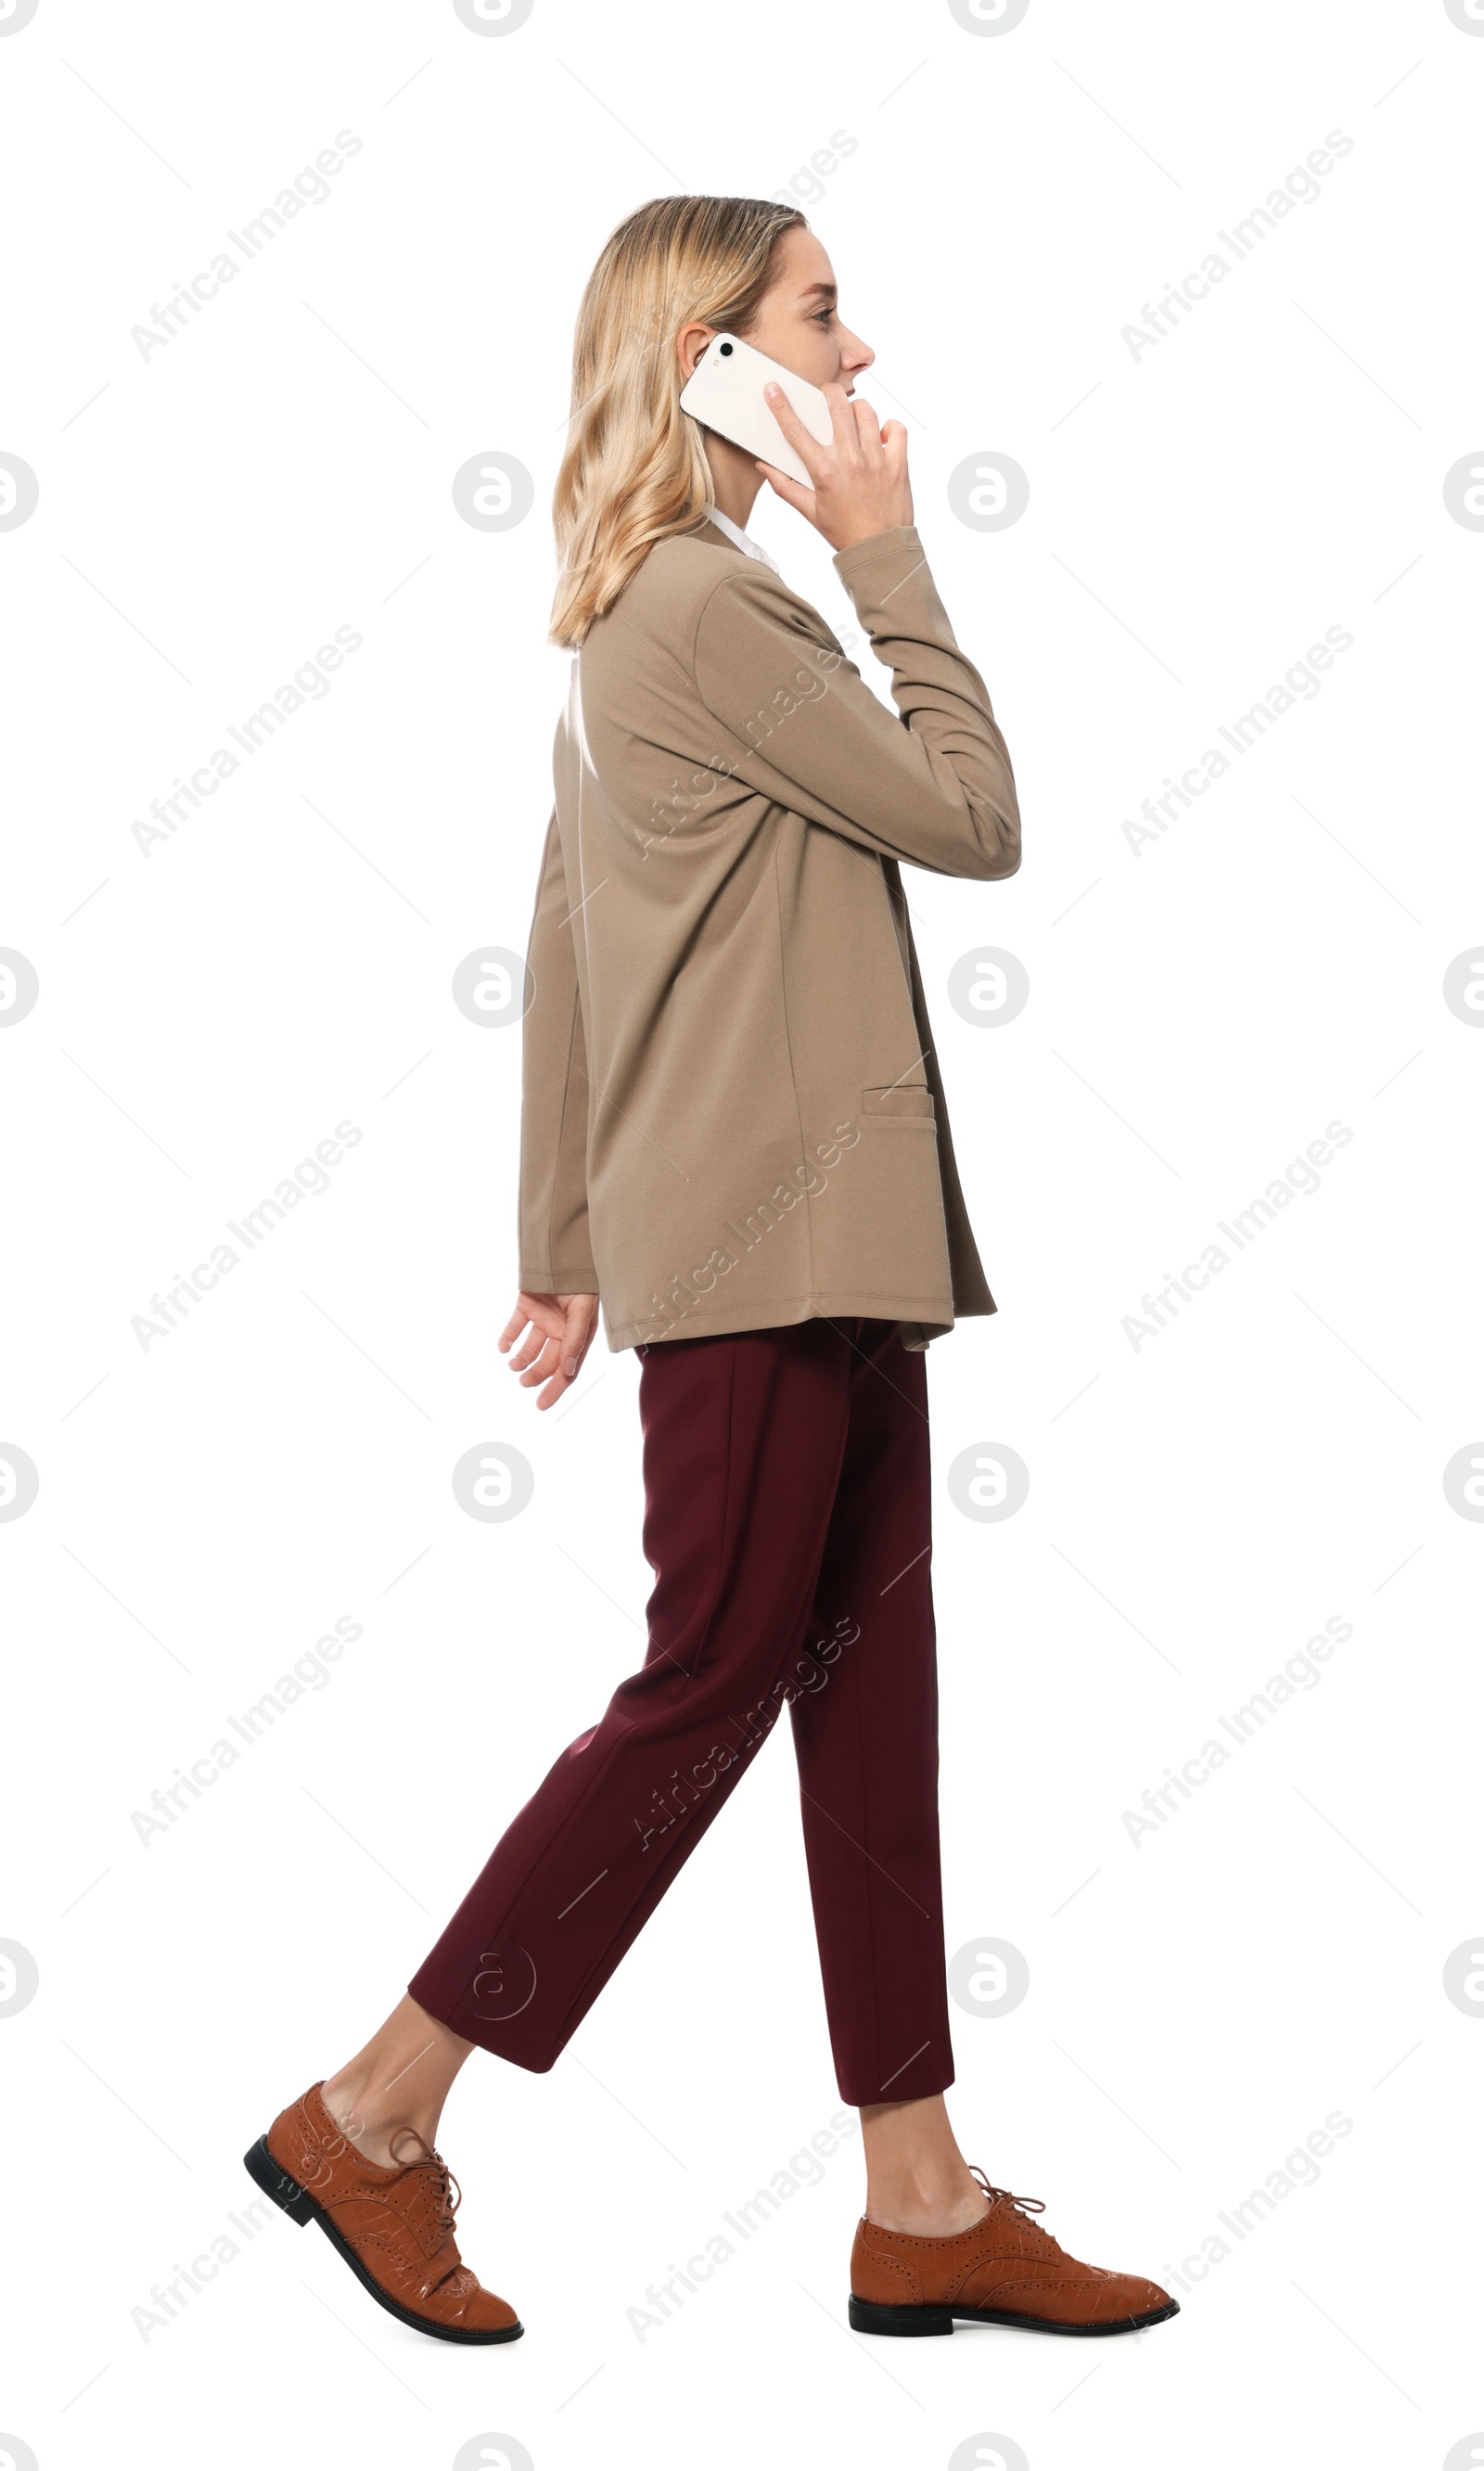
(906, 1102)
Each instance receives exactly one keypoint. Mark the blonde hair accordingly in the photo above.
(634, 469)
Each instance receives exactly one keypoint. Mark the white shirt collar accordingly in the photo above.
(740, 539)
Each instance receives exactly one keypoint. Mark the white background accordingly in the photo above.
(1198, 1507)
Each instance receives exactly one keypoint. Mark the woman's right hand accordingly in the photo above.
(560, 1333)
(860, 485)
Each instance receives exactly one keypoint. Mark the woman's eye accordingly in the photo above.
(822, 317)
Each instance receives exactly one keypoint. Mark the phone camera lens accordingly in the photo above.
(726, 351)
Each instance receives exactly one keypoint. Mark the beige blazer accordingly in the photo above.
(732, 1112)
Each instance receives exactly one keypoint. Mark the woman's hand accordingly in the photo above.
(560, 1333)
(860, 479)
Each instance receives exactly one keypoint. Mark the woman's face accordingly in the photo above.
(797, 323)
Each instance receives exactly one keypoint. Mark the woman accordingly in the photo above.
(734, 1134)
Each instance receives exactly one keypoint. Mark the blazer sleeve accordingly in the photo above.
(556, 1248)
(931, 784)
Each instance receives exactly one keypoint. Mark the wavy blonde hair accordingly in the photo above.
(634, 469)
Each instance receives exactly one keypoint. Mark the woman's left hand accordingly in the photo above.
(859, 481)
(559, 1331)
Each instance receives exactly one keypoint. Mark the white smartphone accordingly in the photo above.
(725, 391)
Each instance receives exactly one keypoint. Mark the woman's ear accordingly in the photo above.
(690, 343)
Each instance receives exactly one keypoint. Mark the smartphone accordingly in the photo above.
(725, 391)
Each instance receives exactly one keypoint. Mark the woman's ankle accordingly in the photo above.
(929, 2199)
(369, 2117)
(399, 2080)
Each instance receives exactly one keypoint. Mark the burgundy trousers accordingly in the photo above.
(788, 1523)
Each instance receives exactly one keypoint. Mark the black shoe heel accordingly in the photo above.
(875, 2316)
(297, 2201)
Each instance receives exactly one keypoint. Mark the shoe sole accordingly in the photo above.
(301, 2208)
(876, 2317)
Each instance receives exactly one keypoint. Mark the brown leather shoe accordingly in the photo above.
(1004, 2270)
(394, 2227)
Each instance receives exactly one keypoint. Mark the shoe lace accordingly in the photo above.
(447, 2195)
(1024, 2207)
